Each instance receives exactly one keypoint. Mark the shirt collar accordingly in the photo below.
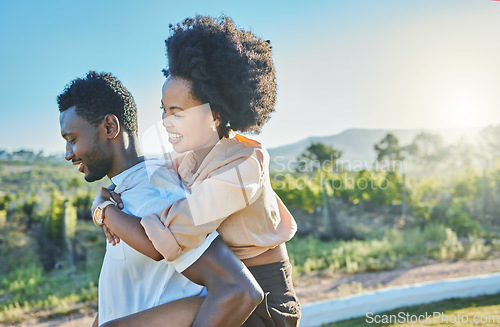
(124, 178)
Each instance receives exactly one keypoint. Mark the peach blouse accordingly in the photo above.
(231, 193)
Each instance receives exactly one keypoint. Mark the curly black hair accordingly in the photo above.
(228, 67)
(97, 95)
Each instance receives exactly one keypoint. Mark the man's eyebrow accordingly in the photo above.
(66, 134)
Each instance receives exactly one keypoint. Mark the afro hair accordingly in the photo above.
(228, 67)
(97, 95)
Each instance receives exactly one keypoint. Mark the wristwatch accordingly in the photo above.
(98, 214)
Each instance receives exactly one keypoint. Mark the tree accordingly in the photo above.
(428, 149)
(68, 230)
(463, 154)
(389, 149)
(82, 201)
(29, 208)
(316, 156)
(58, 230)
(490, 139)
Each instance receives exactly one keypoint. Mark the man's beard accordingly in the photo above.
(98, 164)
(97, 170)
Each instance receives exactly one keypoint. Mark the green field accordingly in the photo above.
(50, 252)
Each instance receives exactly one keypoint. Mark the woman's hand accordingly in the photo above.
(112, 238)
(105, 195)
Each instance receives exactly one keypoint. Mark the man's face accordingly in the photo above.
(85, 146)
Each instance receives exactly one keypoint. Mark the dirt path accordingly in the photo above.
(73, 320)
(320, 286)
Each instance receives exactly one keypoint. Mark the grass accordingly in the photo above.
(460, 311)
(26, 290)
(384, 253)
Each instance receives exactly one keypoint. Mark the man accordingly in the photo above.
(98, 120)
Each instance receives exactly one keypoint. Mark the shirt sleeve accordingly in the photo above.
(186, 259)
(187, 222)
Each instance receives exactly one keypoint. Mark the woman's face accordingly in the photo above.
(188, 121)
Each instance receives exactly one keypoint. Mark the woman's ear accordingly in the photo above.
(217, 119)
(111, 126)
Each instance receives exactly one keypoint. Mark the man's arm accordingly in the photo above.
(233, 294)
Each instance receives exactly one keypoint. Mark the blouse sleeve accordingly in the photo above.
(187, 222)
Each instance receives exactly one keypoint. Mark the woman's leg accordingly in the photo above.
(280, 307)
(177, 313)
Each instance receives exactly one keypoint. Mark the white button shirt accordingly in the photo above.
(130, 281)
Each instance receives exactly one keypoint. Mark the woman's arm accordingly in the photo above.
(129, 229)
(186, 223)
(126, 227)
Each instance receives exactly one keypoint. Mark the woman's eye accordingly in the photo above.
(171, 112)
(72, 141)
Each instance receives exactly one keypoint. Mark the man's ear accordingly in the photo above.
(112, 126)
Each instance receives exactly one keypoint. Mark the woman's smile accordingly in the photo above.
(174, 137)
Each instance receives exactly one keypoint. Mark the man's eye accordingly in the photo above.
(72, 141)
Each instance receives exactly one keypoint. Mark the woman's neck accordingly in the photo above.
(200, 155)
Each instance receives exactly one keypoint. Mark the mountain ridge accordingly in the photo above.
(357, 144)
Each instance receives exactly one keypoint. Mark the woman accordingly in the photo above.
(221, 79)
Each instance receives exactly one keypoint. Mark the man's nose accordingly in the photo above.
(69, 153)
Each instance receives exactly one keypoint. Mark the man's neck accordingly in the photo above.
(126, 156)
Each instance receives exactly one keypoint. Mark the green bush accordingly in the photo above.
(434, 241)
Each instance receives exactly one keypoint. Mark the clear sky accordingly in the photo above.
(340, 64)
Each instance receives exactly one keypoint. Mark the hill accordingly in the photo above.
(357, 144)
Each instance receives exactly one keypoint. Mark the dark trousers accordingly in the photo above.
(280, 307)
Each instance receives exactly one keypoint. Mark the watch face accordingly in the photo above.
(98, 216)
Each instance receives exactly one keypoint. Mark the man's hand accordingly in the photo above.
(105, 195)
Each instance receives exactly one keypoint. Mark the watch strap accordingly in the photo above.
(98, 214)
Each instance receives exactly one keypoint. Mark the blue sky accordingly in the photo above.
(340, 64)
